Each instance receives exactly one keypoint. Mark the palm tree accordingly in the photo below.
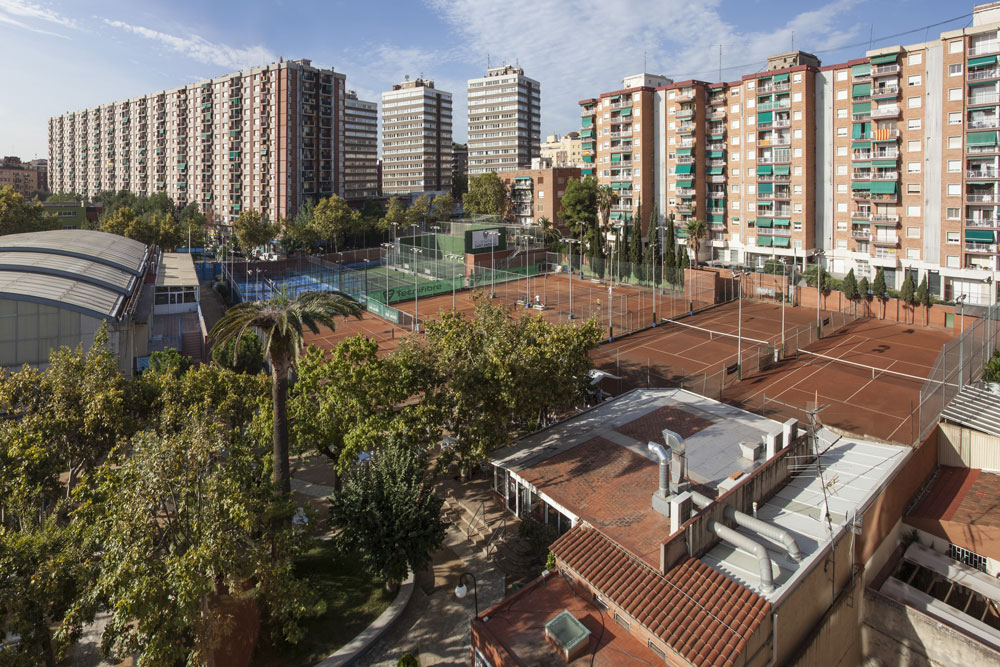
(281, 320)
(696, 231)
(605, 198)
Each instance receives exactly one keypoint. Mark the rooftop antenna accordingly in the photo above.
(793, 40)
(720, 62)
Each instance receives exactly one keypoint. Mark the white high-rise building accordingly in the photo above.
(360, 148)
(416, 139)
(505, 121)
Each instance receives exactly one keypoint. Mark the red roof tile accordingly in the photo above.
(698, 611)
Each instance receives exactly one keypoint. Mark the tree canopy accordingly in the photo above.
(487, 195)
(18, 215)
(253, 230)
(579, 204)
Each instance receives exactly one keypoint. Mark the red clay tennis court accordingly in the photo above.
(868, 374)
(387, 334)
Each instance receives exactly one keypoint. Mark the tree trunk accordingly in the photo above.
(280, 365)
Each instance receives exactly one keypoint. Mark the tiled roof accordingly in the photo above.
(696, 610)
(650, 425)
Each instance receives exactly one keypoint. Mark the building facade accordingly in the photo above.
(25, 178)
(416, 139)
(563, 151)
(459, 160)
(265, 138)
(537, 193)
(505, 121)
(360, 148)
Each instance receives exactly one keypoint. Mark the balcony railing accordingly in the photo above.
(767, 106)
(862, 234)
(686, 192)
(774, 87)
(885, 239)
(773, 178)
(980, 150)
(588, 112)
(982, 173)
(991, 98)
(980, 74)
(717, 179)
(885, 218)
(981, 199)
(885, 112)
(885, 253)
(685, 159)
(861, 215)
(885, 91)
(973, 246)
(981, 222)
(885, 176)
(780, 231)
(884, 69)
(716, 146)
(685, 113)
(984, 47)
(623, 133)
(685, 128)
(983, 123)
(885, 154)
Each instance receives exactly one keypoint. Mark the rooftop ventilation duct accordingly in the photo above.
(755, 525)
(741, 541)
(672, 469)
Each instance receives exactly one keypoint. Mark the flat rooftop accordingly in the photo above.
(176, 270)
(597, 468)
(961, 507)
(816, 504)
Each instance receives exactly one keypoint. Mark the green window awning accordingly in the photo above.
(983, 60)
(684, 184)
(981, 138)
(765, 188)
(588, 158)
(861, 186)
(626, 112)
(683, 152)
(762, 80)
(681, 233)
(764, 169)
(861, 107)
(587, 133)
(716, 218)
(861, 90)
(883, 163)
(884, 187)
(587, 121)
(861, 70)
(616, 98)
(621, 186)
(587, 145)
(617, 157)
(885, 59)
(779, 78)
(982, 235)
(782, 170)
(765, 117)
(764, 222)
(714, 171)
(861, 165)
(763, 240)
(718, 203)
(782, 222)
(717, 137)
(616, 215)
(684, 169)
(977, 84)
(861, 131)
(861, 146)
(781, 241)
(715, 155)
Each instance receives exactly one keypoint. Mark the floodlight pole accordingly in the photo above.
(739, 325)
(494, 238)
(416, 295)
(819, 291)
(961, 346)
(784, 298)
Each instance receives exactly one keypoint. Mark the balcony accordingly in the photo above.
(588, 112)
(684, 159)
(987, 98)
(886, 112)
(983, 123)
(982, 173)
(981, 198)
(984, 48)
(716, 146)
(780, 231)
(624, 104)
(885, 69)
(686, 192)
(974, 246)
(981, 150)
(622, 133)
(779, 140)
(885, 239)
(716, 163)
(773, 88)
(773, 178)
(774, 159)
(885, 198)
(885, 219)
(685, 113)
(982, 222)
(861, 234)
(884, 176)
(717, 179)
(768, 106)
(861, 215)
(885, 253)
(685, 128)
(885, 91)
(685, 209)
(885, 154)
(980, 74)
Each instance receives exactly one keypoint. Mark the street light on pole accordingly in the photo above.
(462, 590)
(819, 291)
(570, 242)
(961, 346)
(494, 237)
(388, 249)
(739, 323)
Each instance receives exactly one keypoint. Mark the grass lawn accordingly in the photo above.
(353, 600)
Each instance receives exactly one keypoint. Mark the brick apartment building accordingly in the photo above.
(25, 177)
(264, 138)
(537, 193)
(885, 161)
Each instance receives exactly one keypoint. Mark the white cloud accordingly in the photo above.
(585, 50)
(200, 49)
(28, 13)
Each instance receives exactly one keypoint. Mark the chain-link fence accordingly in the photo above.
(960, 362)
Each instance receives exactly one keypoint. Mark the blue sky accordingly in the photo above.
(68, 55)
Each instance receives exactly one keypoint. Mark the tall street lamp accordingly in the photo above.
(461, 590)
(388, 249)
(961, 344)
(819, 291)
(739, 323)
(494, 237)
(570, 242)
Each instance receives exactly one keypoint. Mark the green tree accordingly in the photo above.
(924, 297)
(487, 195)
(331, 219)
(395, 215)
(907, 294)
(419, 210)
(595, 246)
(991, 372)
(880, 290)
(17, 215)
(604, 198)
(579, 205)
(245, 357)
(851, 287)
(372, 210)
(635, 247)
(181, 528)
(670, 250)
(169, 361)
(696, 231)
(459, 186)
(253, 230)
(282, 320)
(444, 207)
(863, 291)
(652, 256)
(388, 511)
(299, 232)
(192, 221)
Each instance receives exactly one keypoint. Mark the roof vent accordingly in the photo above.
(567, 635)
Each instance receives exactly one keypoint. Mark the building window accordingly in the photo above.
(842, 94)
(841, 113)
(954, 166)
(955, 46)
(661, 653)
(915, 58)
(954, 238)
(913, 146)
(797, 77)
(842, 75)
(841, 244)
(953, 213)
(954, 189)
(913, 211)
(842, 225)
(841, 188)
(841, 170)
(841, 131)
(600, 602)
(954, 142)
(955, 118)
(914, 102)
(796, 171)
(954, 95)
(796, 115)
(842, 207)
(913, 80)
(841, 151)
(913, 188)
(955, 70)
(912, 253)
(796, 97)
(913, 232)
(913, 167)
(913, 124)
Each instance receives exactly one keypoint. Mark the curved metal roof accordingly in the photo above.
(90, 272)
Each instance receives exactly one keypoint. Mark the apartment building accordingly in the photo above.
(619, 134)
(459, 161)
(416, 139)
(563, 151)
(505, 121)
(25, 178)
(537, 193)
(360, 148)
(264, 138)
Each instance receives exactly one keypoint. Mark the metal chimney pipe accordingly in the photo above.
(741, 541)
(661, 455)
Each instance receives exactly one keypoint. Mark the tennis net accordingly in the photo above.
(712, 334)
(873, 372)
